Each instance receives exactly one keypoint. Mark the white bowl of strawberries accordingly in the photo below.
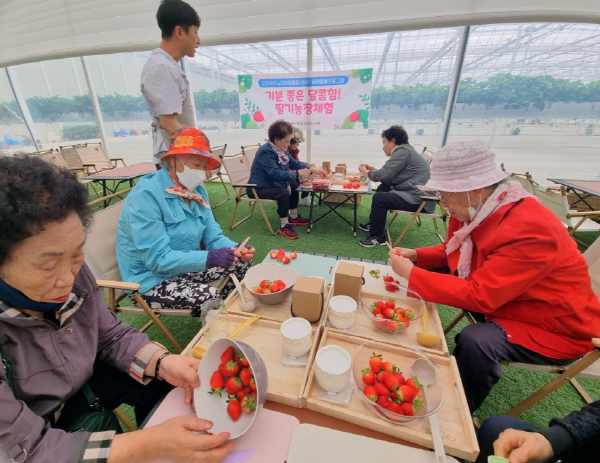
(393, 314)
(382, 379)
(270, 283)
(233, 386)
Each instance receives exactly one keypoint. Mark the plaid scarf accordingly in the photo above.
(180, 190)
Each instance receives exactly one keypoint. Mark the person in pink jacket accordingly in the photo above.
(510, 262)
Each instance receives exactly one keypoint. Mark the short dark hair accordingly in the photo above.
(173, 13)
(280, 129)
(34, 193)
(396, 133)
(293, 141)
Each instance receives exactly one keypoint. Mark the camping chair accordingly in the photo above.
(555, 199)
(586, 367)
(238, 171)
(250, 152)
(521, 178)
(218, 152)
(93, 156)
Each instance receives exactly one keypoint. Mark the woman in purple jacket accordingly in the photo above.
(58, 338)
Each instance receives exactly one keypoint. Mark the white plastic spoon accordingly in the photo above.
(249, 306)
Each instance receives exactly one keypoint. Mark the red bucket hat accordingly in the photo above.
(188, 140)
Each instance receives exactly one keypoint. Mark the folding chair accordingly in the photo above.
(238, 171)
(586, 367)
(93, 156)
(218, 152)
(557, 202)
(250, 152)
(521, 178)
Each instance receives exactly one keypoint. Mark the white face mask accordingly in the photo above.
(472, 211)
(191, 178)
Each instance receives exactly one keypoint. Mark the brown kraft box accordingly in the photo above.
(326, 166)
(348, 280)
(307, 298)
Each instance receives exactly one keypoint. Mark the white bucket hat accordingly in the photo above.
(463, 166)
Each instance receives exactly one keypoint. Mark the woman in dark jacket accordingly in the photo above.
(271, 176)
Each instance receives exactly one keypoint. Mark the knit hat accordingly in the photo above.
(298, 135)
(463, 166)
(188, 140)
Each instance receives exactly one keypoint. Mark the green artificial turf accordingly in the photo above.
(333, 236)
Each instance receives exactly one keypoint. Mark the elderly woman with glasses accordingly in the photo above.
(511, 263)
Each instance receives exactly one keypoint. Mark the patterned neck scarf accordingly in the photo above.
(180, 190)
(284, 158)
(505, 193)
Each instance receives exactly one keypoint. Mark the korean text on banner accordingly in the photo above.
(309, 100)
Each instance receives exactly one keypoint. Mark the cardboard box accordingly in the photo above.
(307, 298)
(326, 166)
(348, 280)
(341, 168)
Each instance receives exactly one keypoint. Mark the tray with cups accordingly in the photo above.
(287, 350)
(398, 324)
(340, 365)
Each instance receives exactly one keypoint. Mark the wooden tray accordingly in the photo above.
(364, 327)
(286, 384)
(454, 417)
(276, 312)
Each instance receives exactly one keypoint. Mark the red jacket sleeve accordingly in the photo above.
(432, 256)
(515, 265)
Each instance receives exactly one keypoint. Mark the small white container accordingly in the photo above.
(332, 368)
(296, 337)
(342, 312)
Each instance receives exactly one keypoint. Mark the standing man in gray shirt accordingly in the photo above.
(163, 83)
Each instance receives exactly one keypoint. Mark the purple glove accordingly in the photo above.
(220, 258)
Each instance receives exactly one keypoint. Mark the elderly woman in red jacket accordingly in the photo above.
(511, 262)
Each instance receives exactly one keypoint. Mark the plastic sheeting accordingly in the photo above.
(37, 30)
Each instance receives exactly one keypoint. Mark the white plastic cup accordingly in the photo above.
(332, 368)
(342, 312)
(296, 337)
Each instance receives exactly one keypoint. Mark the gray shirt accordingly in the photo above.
(403, 171)
(167, 91)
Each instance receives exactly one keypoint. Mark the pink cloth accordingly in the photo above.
(505, 193)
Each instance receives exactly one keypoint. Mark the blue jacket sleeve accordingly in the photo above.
(150, 237)
(297, 165)
(268, 164)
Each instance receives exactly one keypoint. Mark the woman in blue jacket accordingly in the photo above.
(273, 168)
(165, 219)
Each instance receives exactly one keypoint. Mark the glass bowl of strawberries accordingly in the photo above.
(270, 283)
(391, 312)
(382, 378)
(233, 386)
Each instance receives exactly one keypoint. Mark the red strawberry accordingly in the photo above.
(356, 186)
(233, 385)
(280, 283)
(389, 325)
(234, 408)
(370, 392)
(273, 254)
(253, 383)
(383, 401)
(286, 260)
(393, 396)
(399, 311)
(392, 288)
(400, 378)
(406, 393)
(257, 289)
(402, 322)
(417, 402)
(388, 279)
(376, 311)
(382, 389)
(230, 368)
(241, 394)
(375, 363)
(274, 287)
(395, 408)
(242, 361)
(388, 366)
(245, 376)
(217, 383)
(388, 313)
(280, 254)
(390, 304)
(293, 254)
(227, 355)
(248, 404)
(414, 383)
(380, 305)
(390, 381)
(258, 116)
(407, 409)
(368, 376)
(409, 314)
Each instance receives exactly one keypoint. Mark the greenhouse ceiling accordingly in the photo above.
(37, 30)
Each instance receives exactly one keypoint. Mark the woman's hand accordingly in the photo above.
(410, 254)
(363, 169)
(245, 257)
(523, 447)
(177, 441)
(181, 372)
(319, 172)
(304, 172)
(400, 265)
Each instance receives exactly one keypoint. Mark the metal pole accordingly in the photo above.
(456, 75)
(18, 93)
(309, 68)
(95, 104)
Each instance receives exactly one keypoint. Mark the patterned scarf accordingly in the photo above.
(505, 193)
(180, 190)
(284, 158)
